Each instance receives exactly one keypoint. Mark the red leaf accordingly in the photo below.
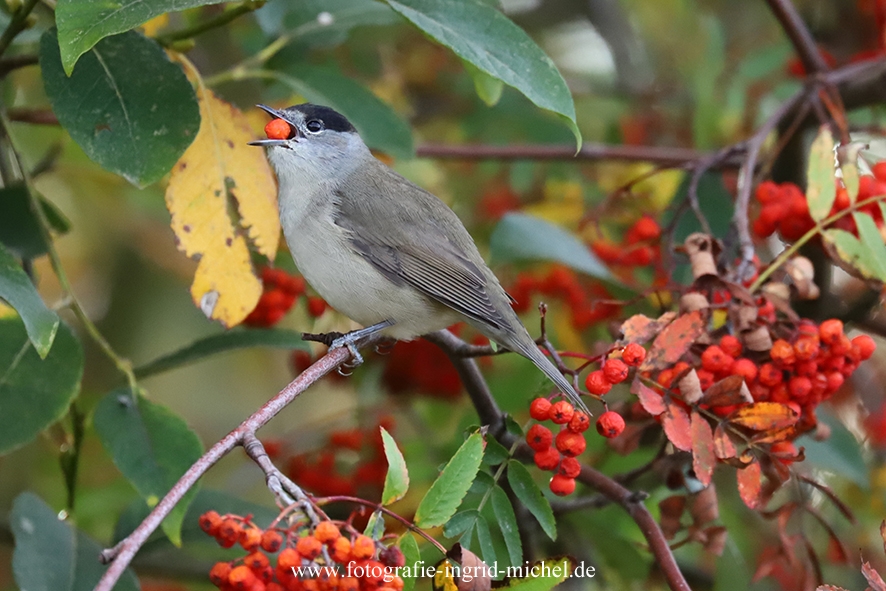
(676, 338)
(873, 577)
(670, 511)
(677, 426)
(723, 446)
(651, 401)
(702, 448)
(726, 392)
(750, 484)
(639, 328)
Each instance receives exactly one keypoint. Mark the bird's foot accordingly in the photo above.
(353, 339)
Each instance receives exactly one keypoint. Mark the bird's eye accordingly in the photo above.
(314, 126)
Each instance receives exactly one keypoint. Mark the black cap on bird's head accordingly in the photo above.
(303, 119)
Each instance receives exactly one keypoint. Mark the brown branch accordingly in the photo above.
(792, 24)
(244, 435)
(591, 152)
(8, 64)
(36, 116)
(490, 415)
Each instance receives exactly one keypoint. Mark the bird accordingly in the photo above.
(378, 248)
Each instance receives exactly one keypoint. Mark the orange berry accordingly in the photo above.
(396, 583)
(569, 467)
(341, 549)
(579, 422)
(309, 547)
(362, 548)
(210, 522)
(830, 331)
(256, 561)
(241, 578)
(597, 384)
(745, 368)
(570, 444)
(633, 354)
(326, 532)
(348, 584)
(271, 541)
(288, 558)
(219, 573)
(540, 409)
(864, 344)
(561, 412)
(806, 348)
(278, 129)
(782, 353)
(615, 371)
(562, 485)
(547, 459)
(229, 532)
(539, 437)
(730, 345)
(610, 424)
(250, 538)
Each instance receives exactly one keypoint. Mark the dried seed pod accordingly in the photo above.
(690, 302)
(701, 250)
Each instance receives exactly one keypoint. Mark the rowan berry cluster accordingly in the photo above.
(784, 206)
(638, 249)
(281, 290)
(583, 300)
(357, 562)
(558, 454)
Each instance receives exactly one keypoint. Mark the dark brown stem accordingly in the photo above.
(121, 555)
(590, 152)
(36, 116)
(631, 501)
(797, 31)
(8, 64)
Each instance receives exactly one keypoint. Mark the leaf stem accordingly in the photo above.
(787, 253)
(213, 23)
(18, 24)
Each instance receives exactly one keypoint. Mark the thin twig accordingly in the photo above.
(122, 553)
(8, 64)
(17, 24)
(797, 31)
(215, 22)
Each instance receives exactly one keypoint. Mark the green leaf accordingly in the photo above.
(412, 556)
(495, 453)
(34, 392)
(821, 189)
(16, 288)
(20, 228)
(444, 496)
(840, 453)
(50, 555)
(483, 36)
(865, 255)
(527, 491)
(460, 523)
(519, 237)
(375, 525)
(131, 109)
(488, 88)
(379, 126)
(507, 522)
(219, 343)
(484, 538)
(321, 23)
(83, 23)
(151, 446)
(397, 478)
(552, 571)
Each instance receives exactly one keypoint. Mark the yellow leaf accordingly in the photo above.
(156, 24)
(218, 173)
(563, 203)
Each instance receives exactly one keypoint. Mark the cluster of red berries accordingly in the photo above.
(325, 472)
(281, 290)
(784, 207)
(354, 562)
(583, 299)
(557, 454)
(638, 249)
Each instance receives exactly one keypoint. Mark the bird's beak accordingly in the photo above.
(269, 142)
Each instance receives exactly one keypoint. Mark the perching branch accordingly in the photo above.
(244, 435)
(490, 415)
(792, 24)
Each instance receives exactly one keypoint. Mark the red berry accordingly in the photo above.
(782, 353)
(715, 360)
(706, 379)
(579, 422)
(316, 306)
(569, 467)
(278, 129)
(633, 354)
(570, 444)
(864, 344)
(730, 345)
(547, 459)
(210, 522)
(220, 573)
(769, 375)
(800, 387)
(256, 561)
(879, 170)
(540, 409)
(830, 331)
(271, 541)
(392, 556)
(562, 485)
(539, 437)
(806, 348)
(561, 412)
(644, 229)
(610, 424)
(597, 384)
(615, 371)
(288, 558)
(745, 368)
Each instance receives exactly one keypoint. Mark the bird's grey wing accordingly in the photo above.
(423, 248)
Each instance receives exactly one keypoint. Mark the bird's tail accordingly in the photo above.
(534, 354)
